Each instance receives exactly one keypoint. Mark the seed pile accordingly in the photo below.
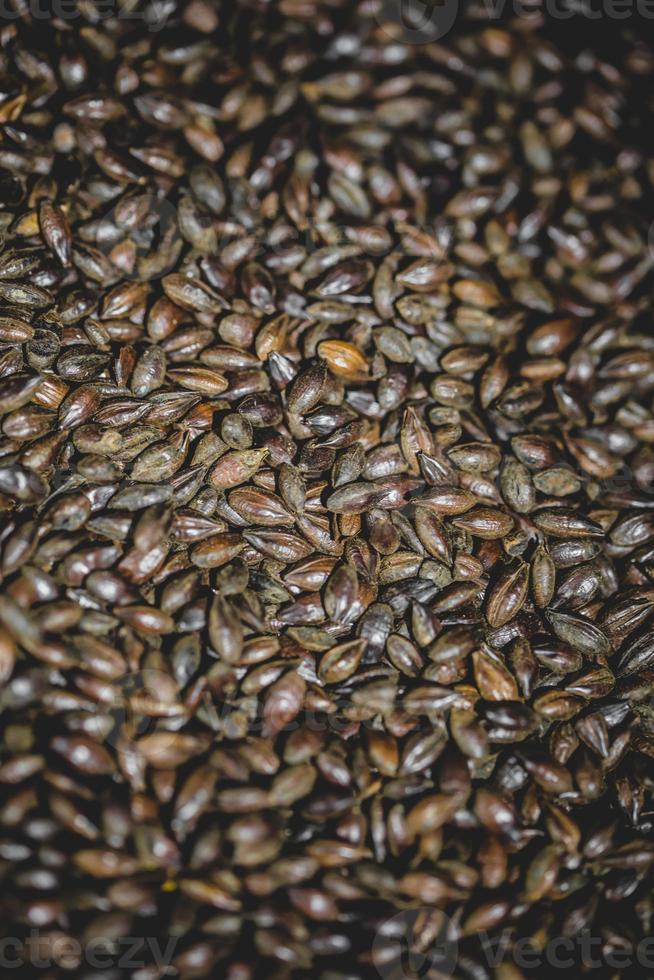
(327, 488)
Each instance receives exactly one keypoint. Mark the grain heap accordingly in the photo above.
(327, 489)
